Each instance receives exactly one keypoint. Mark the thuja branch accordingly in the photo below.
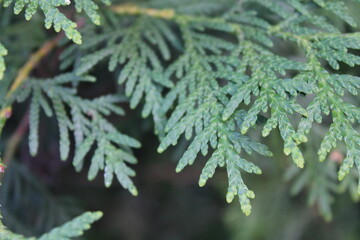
(23, 74)
(6, 110)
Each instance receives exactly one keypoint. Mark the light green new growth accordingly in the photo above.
(72, 229)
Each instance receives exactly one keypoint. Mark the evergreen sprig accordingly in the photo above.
(3, 52)
(86, 119)
(334, 48)
(201, 104)
(90, 8)
(228, 64)
(70, 230)
(210, 71)
(54, 17)
(135, 47)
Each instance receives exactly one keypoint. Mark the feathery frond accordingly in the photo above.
(68, 231)
(54, 17)
(3, 53)
(228, 65)
(213, 72)
(86, 119)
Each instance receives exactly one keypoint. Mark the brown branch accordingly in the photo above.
(170, 14)
(32, 63)
(131, 9)
(26, 70)
(15, 139)
(23, 74)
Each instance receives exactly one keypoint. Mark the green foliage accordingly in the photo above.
(320, 178)
(87, 122)
(73, 228)
(48, 212)
(90, 8)
(3, 52)
(213, 72)
(54, 17)
(142, 69)
(227, 74)
(69, 230)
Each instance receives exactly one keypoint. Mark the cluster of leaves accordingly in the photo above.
(3, 52)
(54, 17)
(226, 76)
(86, 119)
(88, 123)
(142, 72)
(210, 72)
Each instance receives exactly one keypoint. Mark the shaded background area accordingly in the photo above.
(42, 192)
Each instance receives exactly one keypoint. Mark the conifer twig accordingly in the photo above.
(24, 73)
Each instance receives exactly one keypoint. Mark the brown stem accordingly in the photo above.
(136, 10)
(31, 64)
(23, 74)
(15, 139)
(169, 14)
